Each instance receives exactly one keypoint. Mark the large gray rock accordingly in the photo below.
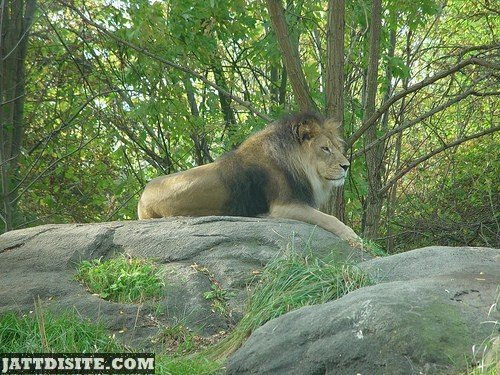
(40, 263)
(430, 308)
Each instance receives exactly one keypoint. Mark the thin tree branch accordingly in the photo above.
(12, 100)
(55, 162)
(417, 86)
(67, 123)
(419, 119)
(420, 160)
(172, 64)
(485, 47)
(489, 93)
(123, 204)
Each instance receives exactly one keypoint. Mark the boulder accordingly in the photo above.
(430, 310)
(40, 263)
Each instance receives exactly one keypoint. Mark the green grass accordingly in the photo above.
(45, 332)
(122, 279)
(289, 283)
(178, 340)
(285, 284)
(188, 365)
(491, 370)
(486, 357)
(372, 248)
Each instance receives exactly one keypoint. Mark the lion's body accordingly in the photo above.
(286, 170)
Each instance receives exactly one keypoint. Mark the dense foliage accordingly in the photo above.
(118, 92)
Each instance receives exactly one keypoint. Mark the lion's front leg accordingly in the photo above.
(310, 215)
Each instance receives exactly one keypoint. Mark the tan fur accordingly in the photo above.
(285, 171)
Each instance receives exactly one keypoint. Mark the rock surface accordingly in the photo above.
(429, 309)
(40, 263)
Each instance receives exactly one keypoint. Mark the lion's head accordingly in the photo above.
(322, 150)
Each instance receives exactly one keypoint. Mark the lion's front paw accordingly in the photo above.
(352, 238)
(358, 244)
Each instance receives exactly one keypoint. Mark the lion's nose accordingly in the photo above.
(345, 167)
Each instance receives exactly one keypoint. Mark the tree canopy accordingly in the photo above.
(99, 96)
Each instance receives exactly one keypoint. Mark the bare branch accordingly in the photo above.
(485, 47)
(417, 86)
(123, 204)
(415, 121)
(67, 123)
(489, 93)
(51, 166)
(445, 147)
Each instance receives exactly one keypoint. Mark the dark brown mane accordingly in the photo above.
(286, 127)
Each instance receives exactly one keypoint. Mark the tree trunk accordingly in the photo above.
(273, 84)
(16, 17)
(225, 102)
(282, 91)
(291, 58)
(392, 196)
(201, 151)
(374, 157)
(334, 87)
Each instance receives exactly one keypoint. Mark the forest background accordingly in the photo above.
(99, 96)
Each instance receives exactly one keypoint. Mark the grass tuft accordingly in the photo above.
(46, 332)
(289, 283)
(188, 365)
(122, 279)
(178, 340)
(373, 248)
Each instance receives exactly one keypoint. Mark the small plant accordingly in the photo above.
(219, 298)
(45, 332)
(217, 295)
(122, 279)
(490, 370)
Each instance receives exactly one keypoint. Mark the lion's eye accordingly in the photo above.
(326, 150)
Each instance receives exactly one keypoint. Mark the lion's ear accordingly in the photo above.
(332, 125)
(306, 130)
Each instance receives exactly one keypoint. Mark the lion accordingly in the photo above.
(287, 170)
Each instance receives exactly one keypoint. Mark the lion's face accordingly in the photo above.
(322, 146)
(331, 165)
